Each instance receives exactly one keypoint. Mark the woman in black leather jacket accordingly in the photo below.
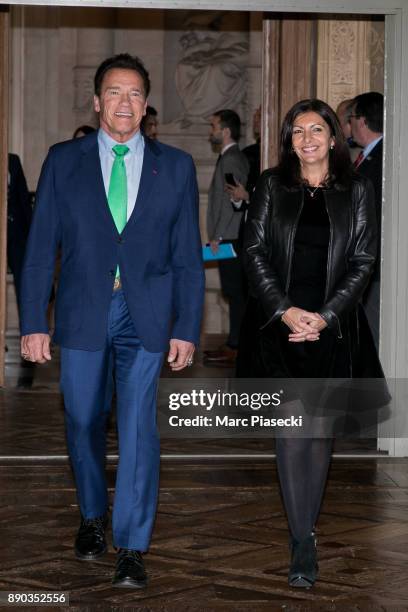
(310, 247)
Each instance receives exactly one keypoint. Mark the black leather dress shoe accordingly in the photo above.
(303, 568)
(130, 571)
(90, 542)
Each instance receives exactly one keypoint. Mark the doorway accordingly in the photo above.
(55, 18)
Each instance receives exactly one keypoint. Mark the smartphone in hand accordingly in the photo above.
(229, 179)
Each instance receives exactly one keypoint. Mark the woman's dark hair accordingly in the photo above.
(340, 168)
(125, 61)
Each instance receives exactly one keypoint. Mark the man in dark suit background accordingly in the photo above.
(223, 223)
(241, 197)
(150, 123)
(18, 218)
(124, 210)
(241, 194)
(366, 123)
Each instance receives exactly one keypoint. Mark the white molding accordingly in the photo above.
(17, 71)
(366, 7)
(394, 285)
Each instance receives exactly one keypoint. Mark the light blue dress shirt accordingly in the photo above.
(367, 150)
(133, 163)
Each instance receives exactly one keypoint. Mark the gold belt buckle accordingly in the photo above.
(117, 284)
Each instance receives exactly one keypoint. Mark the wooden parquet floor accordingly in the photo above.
(220, 541)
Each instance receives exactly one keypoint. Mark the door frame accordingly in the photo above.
(394, 291)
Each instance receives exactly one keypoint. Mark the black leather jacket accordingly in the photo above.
(269, 243)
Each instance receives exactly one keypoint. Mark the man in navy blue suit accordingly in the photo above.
(124, 211)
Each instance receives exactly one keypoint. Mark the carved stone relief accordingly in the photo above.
(211, 73)
(350, 58)
(83, 92)
(206, 63)
(376, 51)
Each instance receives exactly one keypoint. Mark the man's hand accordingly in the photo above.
(180, 354)
(214, 246)
(36, 348)
(237, 192)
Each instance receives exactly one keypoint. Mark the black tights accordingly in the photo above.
(303, 464)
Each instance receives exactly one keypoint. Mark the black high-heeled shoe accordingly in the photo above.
(303, 568)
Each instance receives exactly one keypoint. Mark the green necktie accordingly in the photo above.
(117, 196)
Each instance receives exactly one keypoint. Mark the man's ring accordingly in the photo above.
(190, 362)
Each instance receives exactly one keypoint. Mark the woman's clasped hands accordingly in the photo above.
(304, 325)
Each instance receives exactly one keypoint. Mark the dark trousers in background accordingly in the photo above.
(233, 287)
(15, 257)
(87, 383)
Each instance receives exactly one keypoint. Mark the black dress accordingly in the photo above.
(271, 354)
(264, 350)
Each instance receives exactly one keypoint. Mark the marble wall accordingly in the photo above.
(350, 58)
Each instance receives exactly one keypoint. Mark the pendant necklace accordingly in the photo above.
(313, 191)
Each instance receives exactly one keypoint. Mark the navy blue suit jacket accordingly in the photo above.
(159, 250)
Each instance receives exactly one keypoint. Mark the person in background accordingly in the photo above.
(150, 123)
(240, 198)
(223, 223)
(343, 112)
(253, 152)
(19, 212)
(240, 194)
(83, 130)
(366, 123)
